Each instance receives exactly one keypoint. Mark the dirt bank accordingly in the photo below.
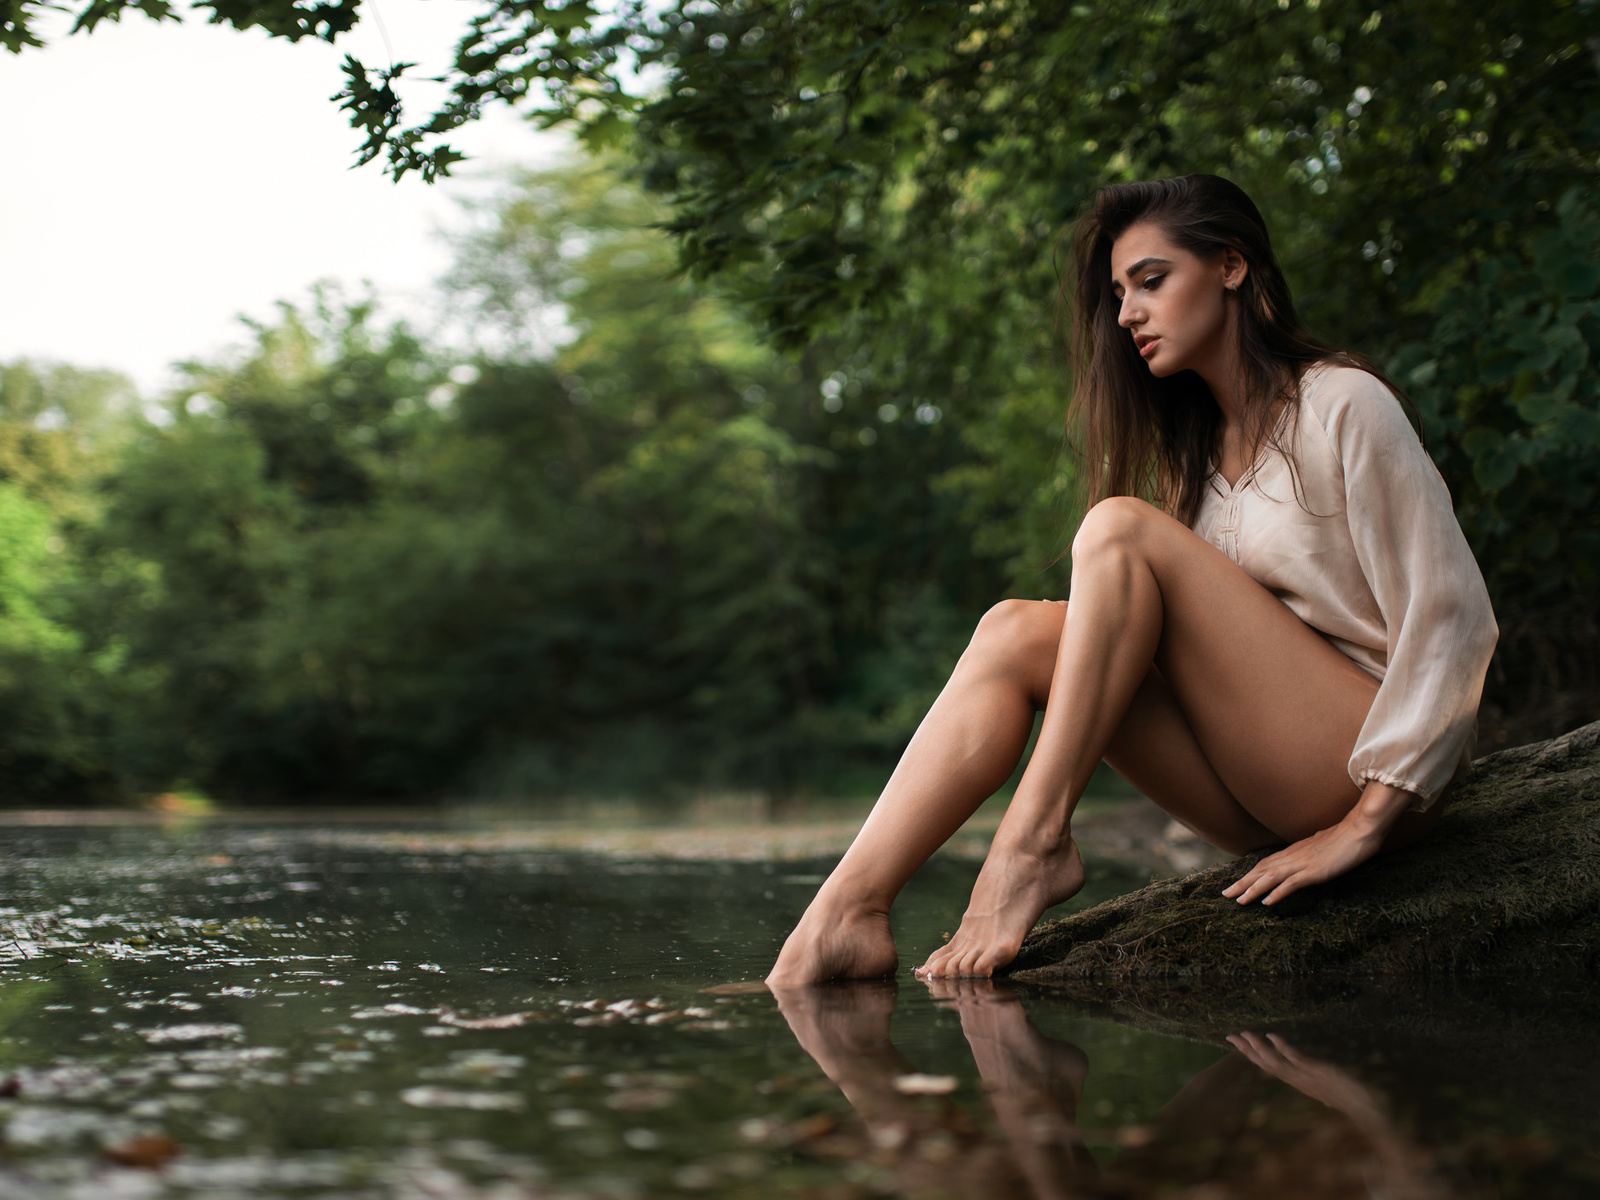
(1508, 882)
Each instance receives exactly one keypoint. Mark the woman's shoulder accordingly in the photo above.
(1347, 400)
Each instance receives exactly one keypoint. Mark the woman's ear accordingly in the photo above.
(1234, 269)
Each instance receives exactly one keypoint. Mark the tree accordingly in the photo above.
(883, 182)
(59, 430)
(631, 548)
(877, 187)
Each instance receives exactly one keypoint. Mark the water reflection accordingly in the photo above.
(1235, 1129)
(260, 1009)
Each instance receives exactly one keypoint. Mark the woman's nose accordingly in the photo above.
(1127, 317)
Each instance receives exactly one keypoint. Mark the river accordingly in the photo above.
(423, 1007)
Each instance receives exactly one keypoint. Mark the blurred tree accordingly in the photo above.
(59, 428)
(659, 553)
(894, 173)
(631, 524)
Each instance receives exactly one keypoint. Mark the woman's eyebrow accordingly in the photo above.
(1147, 262)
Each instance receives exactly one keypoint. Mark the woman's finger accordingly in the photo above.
(1250, 886)
(1288, 887)
(1274, 866)
(1265, 881)
(1249, 877)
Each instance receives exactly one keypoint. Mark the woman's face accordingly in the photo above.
(1176, 306)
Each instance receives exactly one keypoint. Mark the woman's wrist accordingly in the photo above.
(1378, 809)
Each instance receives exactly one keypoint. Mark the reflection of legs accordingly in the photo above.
(930, 1145)
(1199, 1126)
(1034, 1083)
(845, 1028)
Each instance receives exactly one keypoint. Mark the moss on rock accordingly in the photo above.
(1508, 881)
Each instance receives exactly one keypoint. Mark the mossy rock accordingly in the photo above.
(1509, 881)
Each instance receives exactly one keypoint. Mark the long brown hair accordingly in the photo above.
(1139, 435)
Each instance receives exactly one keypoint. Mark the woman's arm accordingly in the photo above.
(1427, 586)
(1329, 852)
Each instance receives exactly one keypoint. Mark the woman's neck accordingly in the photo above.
(1223, 371)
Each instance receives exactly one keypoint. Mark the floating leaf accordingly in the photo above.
(433, 1097)
(749, 987)
(505, 1021)
(925, 1085)
(191, 1033)
(148, 1153)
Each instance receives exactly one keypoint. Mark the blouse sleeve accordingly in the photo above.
(1427, 585)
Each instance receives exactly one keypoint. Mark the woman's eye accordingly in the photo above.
(1152, 282)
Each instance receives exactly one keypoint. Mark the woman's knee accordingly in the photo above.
(1019, 636)
(1118, 524)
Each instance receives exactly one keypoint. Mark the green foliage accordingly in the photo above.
(635, 549)
(666, 531)
(1506, 383)
(57, 430)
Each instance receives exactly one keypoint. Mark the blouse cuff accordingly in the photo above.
(1425, 798)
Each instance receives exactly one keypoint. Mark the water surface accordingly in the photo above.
(254, 1008)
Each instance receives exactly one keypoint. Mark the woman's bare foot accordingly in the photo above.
(836, 942)
(1013, 889)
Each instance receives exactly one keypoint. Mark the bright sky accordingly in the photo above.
(160, 180)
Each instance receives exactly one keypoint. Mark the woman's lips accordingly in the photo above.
(1146, 350)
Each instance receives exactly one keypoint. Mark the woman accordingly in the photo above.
(1290, 649)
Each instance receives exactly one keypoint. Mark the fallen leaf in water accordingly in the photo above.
(148, 1153)
(191, 1033)
(755, 1129)
(432, 1097)
(506, 1021)
(811, 1127)
(925, 1085)
(749, 987)
(639, 1099)
(648, 1079)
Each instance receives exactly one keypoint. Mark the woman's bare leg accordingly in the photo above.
(1272, 708)
(965, 748)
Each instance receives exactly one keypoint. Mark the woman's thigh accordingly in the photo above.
(1272, 707)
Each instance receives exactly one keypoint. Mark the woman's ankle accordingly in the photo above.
(846, 898)
(1040, 841)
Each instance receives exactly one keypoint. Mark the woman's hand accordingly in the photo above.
(1326, 854)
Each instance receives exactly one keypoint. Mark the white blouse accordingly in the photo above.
(1370, 555)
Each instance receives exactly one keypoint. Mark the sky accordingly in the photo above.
(158, 181)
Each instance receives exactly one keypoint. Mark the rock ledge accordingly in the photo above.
(1509, 881)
